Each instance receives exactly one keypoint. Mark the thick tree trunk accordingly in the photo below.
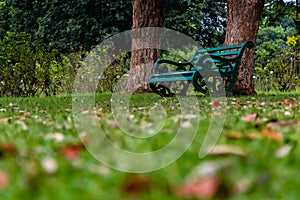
(145, 43)
(243, 17)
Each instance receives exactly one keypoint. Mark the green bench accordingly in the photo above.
(203, 70)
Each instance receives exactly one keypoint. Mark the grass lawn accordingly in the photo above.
(256, 157)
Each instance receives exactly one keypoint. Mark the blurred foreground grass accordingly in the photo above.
(256, 157)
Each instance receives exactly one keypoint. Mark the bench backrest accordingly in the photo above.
(230, 54)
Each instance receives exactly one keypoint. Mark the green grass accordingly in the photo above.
(258, 174)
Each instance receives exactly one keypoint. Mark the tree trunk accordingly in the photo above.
(243, 17)
(145, 43)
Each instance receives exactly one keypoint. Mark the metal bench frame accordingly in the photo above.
(203, 70)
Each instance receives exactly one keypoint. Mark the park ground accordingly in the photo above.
(256, 156)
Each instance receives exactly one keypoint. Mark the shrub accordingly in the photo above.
(276, 67)
(29, 68)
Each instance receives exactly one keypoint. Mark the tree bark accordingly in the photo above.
(243, 17)
(145, 43)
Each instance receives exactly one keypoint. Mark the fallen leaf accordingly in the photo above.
(72, 152)
(274, 135)
(227, 149)
(8, 149)
(283, 124)
(284, 102)
(235, 135)
(253, 136)
(12, 105)
(4, 180)
(217, 104)
(24, 127)
(238, 135)
(205, 187)
(136, 184)
(68, 110)
(101, 114)
(4, 120)
(283, 151)
(23, 116)
(292, 101)
(250, 118)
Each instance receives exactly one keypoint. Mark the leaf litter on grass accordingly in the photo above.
(244, 173)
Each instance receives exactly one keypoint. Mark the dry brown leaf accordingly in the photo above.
(235, 135)
(274, 135)
(8, 149)
(101, 114)
(217, 104)
(136, 184)
(253, 136)
(292, 101)
(284, 101)
(6, 119)
(205, 187)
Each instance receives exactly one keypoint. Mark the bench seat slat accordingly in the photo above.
(171, 79)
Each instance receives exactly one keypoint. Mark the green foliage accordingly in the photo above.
(278, 34)
(277, 12)
(203, 20)
(113, 74)
(66, 25)
(276, 67)
(277, 63)
(29, 68)
(81, 24)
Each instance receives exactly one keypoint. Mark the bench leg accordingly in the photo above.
(199, 83)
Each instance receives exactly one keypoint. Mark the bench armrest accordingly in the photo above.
(179, 66)
(248, 44)
(225, 59)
